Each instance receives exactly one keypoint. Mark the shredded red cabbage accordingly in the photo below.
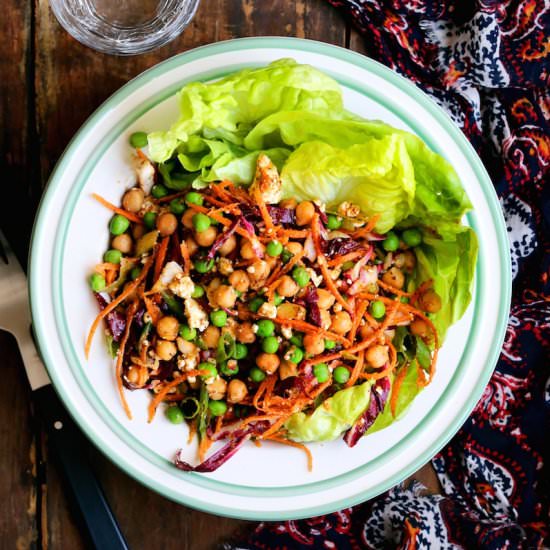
(249, 228)
(279, 215)
(341, 246)
(322, 216)
(218, 243)
(116, 321)
(310, 300)
(378, 397)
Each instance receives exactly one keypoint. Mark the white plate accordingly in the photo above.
(270, 482)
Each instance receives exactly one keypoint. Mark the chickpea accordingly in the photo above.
(192, 245)
(394, 277)
(226, 296)
(239, 280)
(206, 237)
(258, 272)
(341, 322)
(288, 203)
(271, 261)
(133, 200)
(314, 344)
(211, 290)
(247, 250)
(287, 287)
(288, 310)
(211, 336)
(228, 246)
(187, 218)
(167, 327)
(165, 349)
(304, 213)
(366, 331)
(326, 318)
(409, 261)
(236, 391)
(294, 247)
(167, 224)
(123, 243)
(325, 299)
(216, 390)
(287, 370)
(268, 362)
(245, 334)
(419, 327)
(138, 231)
(186, 347)
(430, 301)
(137, 375)
(377, 356)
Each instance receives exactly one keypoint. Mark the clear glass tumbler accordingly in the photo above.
(124, 27)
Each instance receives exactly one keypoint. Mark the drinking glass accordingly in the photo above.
(124, 27)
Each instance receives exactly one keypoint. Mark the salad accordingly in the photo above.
(282, 269)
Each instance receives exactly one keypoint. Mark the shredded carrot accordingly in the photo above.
(392, 289)
(142, 155)
(294, 233)
(120, 357)
(132, 217)
(370, 319)
(357, 368)
(166, 389)
(263, 210)
(259, 392)
(294, 444)
(219, 218)
(204, 445)
(152, 309)
(398, 381)
(192, 432)
(171, 197)
(276, 275)
(367, 228)
(275, 426)
(186, 257)
(359, 313)
(174, 397)
(103, 313)
(160, 257)
(345, 258)
(320, 389)
(219, 423)
(306, 327)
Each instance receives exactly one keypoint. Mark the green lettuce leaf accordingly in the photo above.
(332, 417)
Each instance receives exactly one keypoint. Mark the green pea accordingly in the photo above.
(217, 408)
(404, 299)
(198, 292)
(150, 220)
(177, 207)
(334, 222)
(174, 414)
(270, 344)
(297, 355)
(201, 222)
(347, 265)
(241, 351)
(301, 276)
(113, 256)
(321, 372)
(330, 344)
(391, 242)
(412, 237)
(218, 318)
(119, 224)
(277, 300)
(274, 248)
(138, 140)
(297, 339)
(203, 266)
(377, 309)
(228, 370)
(266, 327)
(255, 304)
(213, 371)
(256, 374)
(135, 272)
(158, 191)
(286, 256)
(341, 375)
(97, 282)
(194, 198)
(188, 333)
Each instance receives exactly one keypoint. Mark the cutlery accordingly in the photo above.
(64, 438)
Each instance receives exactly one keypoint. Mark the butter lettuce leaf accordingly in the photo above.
(332, 417)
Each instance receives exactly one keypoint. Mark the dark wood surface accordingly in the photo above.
(49, 85)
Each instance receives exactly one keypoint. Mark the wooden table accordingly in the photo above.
(49, 85)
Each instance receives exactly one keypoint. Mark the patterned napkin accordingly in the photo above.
(487, 63)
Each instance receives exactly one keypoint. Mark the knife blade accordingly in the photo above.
(64, 438)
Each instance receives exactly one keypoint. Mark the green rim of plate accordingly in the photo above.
(240, 45)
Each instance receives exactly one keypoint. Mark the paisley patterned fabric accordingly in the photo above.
(487, 63)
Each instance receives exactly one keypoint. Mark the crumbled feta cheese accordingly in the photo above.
(325, 319)
(315, 278)
(225, 267)
(251, 269)
(255, 328)
(196, 316)
(286, 332)
(145, 172)
(182, 286)
(267, 180)
(268, 310)
(170, 271)
(337, 307)
(349, 210)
